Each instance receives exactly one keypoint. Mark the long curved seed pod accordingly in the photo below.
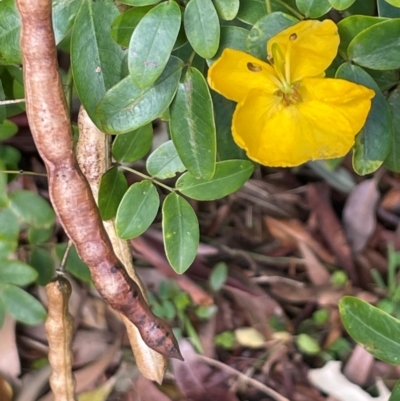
(59, 331)
(93, 155)
(69, 191)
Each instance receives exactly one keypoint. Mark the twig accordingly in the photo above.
(262, 387)
(12, 101)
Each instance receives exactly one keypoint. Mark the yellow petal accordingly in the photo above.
(309, 47)
(322, 126)
(235, 73)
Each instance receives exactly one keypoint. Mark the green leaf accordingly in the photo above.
(192, 125)
(133, 145)
(16, 272)
(9, 230)
(139, 3)
(394, 3)
(385, 79)
(351, 26)
(152, 42)
(180, 232)
(202, 27)
(3, 114)
(395, 396)
(232, 37)
(124, 25)
(3, 186)
(125, 107)
(229, 176)
(7, 129)
(137, 210)
(113, 186)
(387, 10)
(313, 8)
(96, 59)
(10, 24)
(307, 344)
(392, 161)
(264, 29)
(39, 235)
(165, 162)
(31, 208)
(43, 262)
(377, 47)
(218, 276)
(63, 15)
(226, 146)
(10, 156)
(227, 9)
(74, 263)
(373, 141)
(341, 4)
(375, 330)
(21, 305)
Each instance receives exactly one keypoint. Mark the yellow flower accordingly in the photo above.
(287, 112)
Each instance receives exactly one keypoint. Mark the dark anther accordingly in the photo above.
(254, 67)
(293, 36)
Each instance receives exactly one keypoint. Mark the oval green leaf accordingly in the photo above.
(96, 59)
(165, 162)
(377, 47)
(16, 272)
(3, 185)
(39, 235)
(373, 141)
(124, 25)
(374, 329)
(43, 263)
(264, 29)
(139, 3)
(125, 107)
(392, 161)
(227, 9)
(313, 8)
(9, 230)
(9, 33)
(202, 27)
(152, 42)
(63, 16)
(21, 305)
(7, 129)
(387, 10)
(395, 396)
(180, 232)
(229, 176)
(341, 4)
(133, 145)
(113, 186)
(74, 263)
(192, 125)
(137, 210)
(31, 208)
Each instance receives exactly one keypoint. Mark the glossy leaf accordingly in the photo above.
(202, 27)
(165, 162)
(394, 3)
(227, 9)
(96, 59)
(139, 3)
(180, 232)
(124, 25)
(3, 186)
(377, 47)
(21, 305)
(133, 145)
(229, 176)
(63, 16)
(387, 10)
(9, 33)
(31, 208)
(192, 125)
(264, 29)
(43, 263)
(341, 4)
(152, 42)
(113, 186)
(7, 129)
(313, 8)
(137, 210)
(126, 107)
(351, 26)
(392, 161)
(395, 396)
(373, 141)
(3, 114)
(16, 272)
(38, 235)
(9, 230)
(74, 263)
(374, 329)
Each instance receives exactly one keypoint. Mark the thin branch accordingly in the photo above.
(13, 101)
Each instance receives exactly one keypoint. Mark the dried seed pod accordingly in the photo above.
(69, 191)
(59, 330)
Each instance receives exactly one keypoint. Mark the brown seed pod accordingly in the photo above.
(59, 331)
(69, 191)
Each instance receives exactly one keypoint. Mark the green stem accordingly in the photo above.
(291, 9)
(268, 6)
(190, 61)
(147, 177)
(68, 88)
(23, 172)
